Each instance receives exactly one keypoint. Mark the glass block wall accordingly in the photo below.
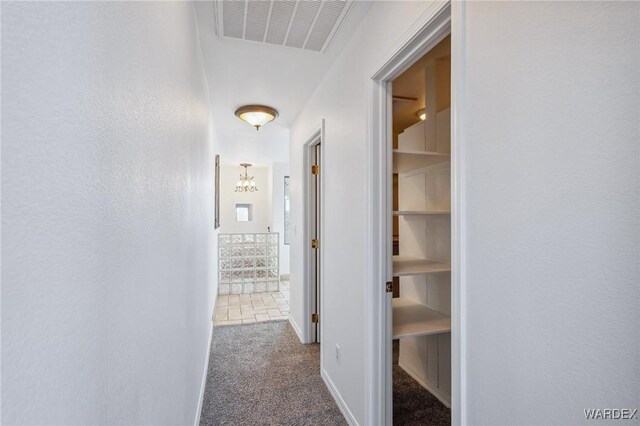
(248, 263)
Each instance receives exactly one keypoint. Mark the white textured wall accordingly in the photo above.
(107, 228)
(279, 171)
(342, 99)
(260, 199)
(553, 106)
(552, 177)
(267, 202)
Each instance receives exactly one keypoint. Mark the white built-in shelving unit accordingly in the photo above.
(421, 315)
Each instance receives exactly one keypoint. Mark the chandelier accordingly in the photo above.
(246, 184)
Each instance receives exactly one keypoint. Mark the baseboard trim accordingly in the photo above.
(427, 384)
(215, 300)
(296, 328)
(338, 398)
(204, 376)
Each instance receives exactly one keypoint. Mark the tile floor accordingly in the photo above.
(253, 307)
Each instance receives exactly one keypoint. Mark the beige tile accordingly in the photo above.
(248, 311)
(257, 304)
(262, 317)
(248, 320)
(245, 296)
(256, 296)
(221, 316)
(240, 316)
(222, 301)
(277, 296)
(234, 300)
(260, 311)
(274, 312)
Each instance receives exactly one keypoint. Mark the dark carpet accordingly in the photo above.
(413, 404)
(260, 374)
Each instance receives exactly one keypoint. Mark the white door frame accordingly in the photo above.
(308, 292)
(435, 23)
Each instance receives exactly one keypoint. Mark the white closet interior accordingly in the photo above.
(421, 313)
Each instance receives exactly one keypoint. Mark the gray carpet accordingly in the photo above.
(413, 404)
(260, 374)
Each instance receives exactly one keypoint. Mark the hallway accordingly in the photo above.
(158, 178)
(261, 374)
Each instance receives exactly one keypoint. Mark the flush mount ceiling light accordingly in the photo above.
(422, 114)
(256, 115)
(246, 184)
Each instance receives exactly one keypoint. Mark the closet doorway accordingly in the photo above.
(416, 221)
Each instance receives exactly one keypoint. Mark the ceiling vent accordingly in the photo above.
(302, 24)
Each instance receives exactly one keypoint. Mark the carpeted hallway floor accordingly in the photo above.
(260, 374)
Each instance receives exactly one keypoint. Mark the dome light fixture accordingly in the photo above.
(422, 114)
(256, 115)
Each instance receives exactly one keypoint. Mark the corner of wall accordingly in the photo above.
(296, 328)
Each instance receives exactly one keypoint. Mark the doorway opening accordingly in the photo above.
(421, 267)
(252, 256)
(416, 227)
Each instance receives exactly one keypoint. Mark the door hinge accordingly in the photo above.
(315, 243)
(315, 169)
(314, 318)
(389, 287)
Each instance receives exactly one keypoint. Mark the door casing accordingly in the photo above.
(309, 292)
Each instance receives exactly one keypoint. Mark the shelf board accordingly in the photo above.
(405, 265)
(417, 213)
(412, 319)
(406, 161)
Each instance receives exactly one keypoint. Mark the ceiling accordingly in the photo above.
(293, 23)
(243, 72)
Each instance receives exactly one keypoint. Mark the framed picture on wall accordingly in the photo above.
(216, 220)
